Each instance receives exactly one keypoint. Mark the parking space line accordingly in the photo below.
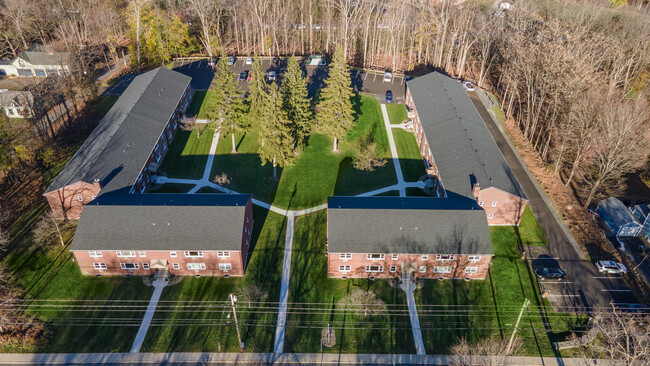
(611, 278)
(365, 75)
(374, 77)
(612, 290)
(556, 282)
(402, 81)
(182, 63)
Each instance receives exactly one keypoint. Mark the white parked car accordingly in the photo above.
(468, 86)
(249, 61)
(611, 267)
(388, 77)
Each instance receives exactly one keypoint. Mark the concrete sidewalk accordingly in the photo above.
(275, 359)
(393, 151)
(159, 284)
(284, 290)
(408, 287)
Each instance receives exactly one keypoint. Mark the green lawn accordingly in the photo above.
(498, 112)
(318, 172)
(192, 315)
(451, 309)
(530, 231)
(319, 295)
(199, 103)
(208, 190)
(188, 154)
(49, 274)
(409, 155)
(172, 188)
(396, 113)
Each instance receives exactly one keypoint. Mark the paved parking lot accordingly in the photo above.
(202, 77)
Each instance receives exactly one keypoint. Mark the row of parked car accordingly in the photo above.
(606, 267)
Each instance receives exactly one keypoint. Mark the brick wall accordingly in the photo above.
(406, 262)
(113, 268)
(67, 202)
(501, 208)
(247, 232)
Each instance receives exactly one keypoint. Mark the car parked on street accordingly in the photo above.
(388, 77)
(389, 96)
(611, 267)
(468, 86)
(249, 61)
(243, 75)
(550, 274)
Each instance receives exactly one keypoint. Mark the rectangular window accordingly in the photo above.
(494, 203)
(345, 256)
(394, 257)
(441, 269)
(142, 254)
(172, 254)
(490, 216)
(176, 266)
(80, 198)
(393, 269)
(93, 197)
(474, 258)
(95, 253)
(423, 269)
(425, 257)
(374, 256)
(99, 265)
(345, 268)
(223, 254)
(125, 253)
(445, 257)
(145, 265)
(129, 266)
(471, 269)
(198, 266)
(480, 203)
(225, 266)
(374, 268)
(193, 254)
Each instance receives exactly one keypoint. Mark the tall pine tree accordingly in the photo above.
(295, 101)
(275, 130)
(256, 95)
(226, 108)
(334, 113)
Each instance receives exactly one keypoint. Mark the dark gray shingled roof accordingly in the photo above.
(462, 147)
(158, 221)
(38, 54)
(617, 211)
(117, 149)
(407, 225)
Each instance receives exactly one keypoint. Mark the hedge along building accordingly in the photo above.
(387, 236)
(187, 234)
(459, 150)
(128, 144)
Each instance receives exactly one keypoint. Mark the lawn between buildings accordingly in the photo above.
(396, 113)
(313, 301)
(192, 316)
(318, 171)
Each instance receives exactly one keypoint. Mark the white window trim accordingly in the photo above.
(225, 266)
(123, 266)
(120, 253)
(369, 257)
(199, 254)
(474, 258)
(442, 269)
(480, 203)
(380, 269)
(176, 266)
(439, 257)
(393, 269)
(394, 257)
(173, 254)
(423, 269)
(223, 254)
(345, 268)
(142, 253)
(80, 198)
(99, 266)
(193, 266)
(145, 265)
(471, 269)
(491, 216)
(494, 203)
(95, 253)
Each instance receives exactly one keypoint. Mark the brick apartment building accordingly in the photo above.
(384, 237)
(204, 234)
(128, 144)
(459, 151)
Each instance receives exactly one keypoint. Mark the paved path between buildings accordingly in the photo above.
(181, 358)
(205, 179)
(284, 289)
(585, 290)
(158, 285)
(393, 152)
(408, 286)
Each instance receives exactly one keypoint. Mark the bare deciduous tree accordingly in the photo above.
(488, 351)
(362, 301)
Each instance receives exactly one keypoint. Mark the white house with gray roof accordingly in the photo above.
(37, 61)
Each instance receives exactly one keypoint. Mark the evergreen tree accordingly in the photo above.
(257, 94)
(334, 113)
(226, 108)
(275, 130)
(295, 101)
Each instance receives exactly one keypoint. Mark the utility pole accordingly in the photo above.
(514, 331)
(234, 313)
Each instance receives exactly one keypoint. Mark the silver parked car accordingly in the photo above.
(611, 267)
